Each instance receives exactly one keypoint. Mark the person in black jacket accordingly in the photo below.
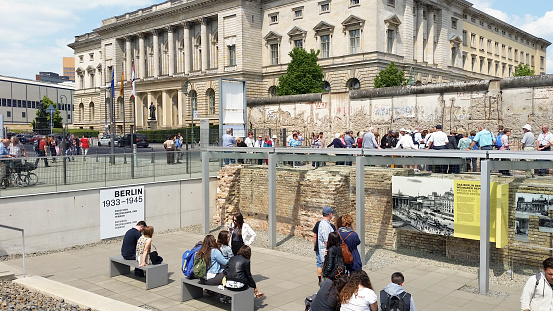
(333, 266)
(238, 273)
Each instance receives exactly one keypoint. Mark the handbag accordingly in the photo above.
(308, 301)
(154, 257)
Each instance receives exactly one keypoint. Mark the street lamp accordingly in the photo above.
(186, 83)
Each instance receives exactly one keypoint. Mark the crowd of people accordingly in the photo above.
(423, 139)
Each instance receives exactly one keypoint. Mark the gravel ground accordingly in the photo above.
(16, 297)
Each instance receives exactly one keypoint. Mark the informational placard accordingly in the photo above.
(120, 210)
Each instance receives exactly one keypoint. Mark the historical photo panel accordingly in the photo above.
(532, 204)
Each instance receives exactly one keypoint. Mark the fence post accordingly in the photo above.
(124, 156)
(97, 159)
(152, 153)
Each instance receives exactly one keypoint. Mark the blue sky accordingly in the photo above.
(34, 33)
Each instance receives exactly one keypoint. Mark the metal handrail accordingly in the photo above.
(23, 238)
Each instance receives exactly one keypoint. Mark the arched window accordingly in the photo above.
(326, 86)
(353, 84)
(91, 111)
(272, 91)
(81, 112)
(193, 101)
(211, 100)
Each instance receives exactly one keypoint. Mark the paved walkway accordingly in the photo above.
(286, 279)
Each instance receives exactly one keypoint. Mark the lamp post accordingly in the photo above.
(64, 139)
(186, 83)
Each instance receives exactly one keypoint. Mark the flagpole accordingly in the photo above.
(123, 101)
(111, 116)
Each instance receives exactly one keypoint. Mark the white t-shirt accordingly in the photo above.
(365, 297)
(438, 139)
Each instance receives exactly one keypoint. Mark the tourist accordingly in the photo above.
(143, 246)
(16, 149)
(267, 143)
(325, 228)
(249, 141)
(238, 272)
(4, 154)
(242, 233)
(538, 293)
(52, 148)
(405, 141)
(395, 288)
(223, 240)
(527, 144)
(422, 142)
(484, 138)
(214, 261)
(128, 248)
(369, 140)
(505, 145)
(228, 141)
(274, 140)
(259, 144)
(358, 293)
(351, 239)
(241, 143)
(544, 143)
(316, 143)
(452, 144)
(349, 141)
(395, 139)
(464, 144)
(359, 141)
(178, 147)
(337, 143)
(319, 263)
(169, 146)
(85, 145)
(438, 141)
(42, 148)
(328, 296)
(386, 141)
(473, 161)
(333, 265)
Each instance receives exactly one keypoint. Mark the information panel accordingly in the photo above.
(120, 210)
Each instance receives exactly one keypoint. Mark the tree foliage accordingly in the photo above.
(303, 74)
(41, 108)
(391, 76)
(523, 70)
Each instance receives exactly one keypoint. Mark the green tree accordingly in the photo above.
(523, 70)
(303, 74)
(391, 76)
(45, 104)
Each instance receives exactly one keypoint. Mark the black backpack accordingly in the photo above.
(399, 302)
(36, 143)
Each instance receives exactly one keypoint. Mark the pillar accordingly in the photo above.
(420, 33)
(142, 56)
(128, 58)
(155, 46)
(203, 33)
(187, 52)
(167, 109)
(138, 108)
(171, 43)
(180, 121)
(430, 36)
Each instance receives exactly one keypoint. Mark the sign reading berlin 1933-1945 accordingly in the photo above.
(120, 210)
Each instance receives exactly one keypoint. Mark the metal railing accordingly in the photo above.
(23, 239)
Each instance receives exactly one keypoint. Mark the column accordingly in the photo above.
(155, 46)
(142, 56)
(171, 43)
(430, 34)
(138, 108)
(166, 104)
(180, 121)
(419, 52)
(187, 52)
(203, 33)
(128, 58)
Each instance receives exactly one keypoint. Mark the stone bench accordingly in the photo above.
(241, 301)
(156, 275)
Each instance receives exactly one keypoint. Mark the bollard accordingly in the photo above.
(124, 156)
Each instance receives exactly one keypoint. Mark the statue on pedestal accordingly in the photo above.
(152, 111)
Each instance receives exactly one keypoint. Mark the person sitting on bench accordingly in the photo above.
(238, 273)
(143, 247)
(215, 262)
(128, 248)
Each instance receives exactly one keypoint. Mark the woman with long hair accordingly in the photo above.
(358, 293)
(328, 296)
(238, 272)
(223, 240)
(214, 260)
(242, 233)
(351, 238)
(143, 246)
(333, 266)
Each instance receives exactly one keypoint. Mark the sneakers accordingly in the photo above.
(225, 299)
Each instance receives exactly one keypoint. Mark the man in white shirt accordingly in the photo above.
(544, 143)
(405, 140)
(438, 140)
(537, 294)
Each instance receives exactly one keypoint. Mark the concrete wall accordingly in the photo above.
(55, 221)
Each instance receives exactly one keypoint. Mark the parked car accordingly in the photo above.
(141, 140)
(106, 140)
(23, 138)
(36, 137)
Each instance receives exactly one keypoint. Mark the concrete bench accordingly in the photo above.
(241, 301)
(156, 275)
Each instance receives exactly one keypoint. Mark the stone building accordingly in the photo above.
(180, 49)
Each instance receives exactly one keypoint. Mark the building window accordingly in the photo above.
(92, 81)
(91, 55)
(324, 7)
(489, 66)
(354, 41)
(473, 63)
(392, 2)
(453, 23)
(510, 70)
(532, 61)
(81, 58)
(8, 114)
(464, 60)
(490, 46)
(542, 63)
(326, 87)
(298, 43)
(390, 36)
(472, 40)
(510, 53)
(298, 13)
(503, 51)
(325, 46)
(232, 55)
(481, 44)
(81, 82)
(522, 56)
(23, 114)
(193, 101)
(497, 48)
(211, 100)
(465, 38)
(272, 91)
(353, 84)
(91, 111)
(353, 2)
(274, 18)
(527, 59)
(516, 55)
(274, 53)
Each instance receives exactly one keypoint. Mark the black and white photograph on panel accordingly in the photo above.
(423, 204)
(521, 229)
(533, 204)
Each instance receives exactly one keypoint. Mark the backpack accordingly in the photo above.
(399, 302)
(498, 142)
(200, 267)
(415, 142)
(36, 144)
(346, 254)
(188, 260)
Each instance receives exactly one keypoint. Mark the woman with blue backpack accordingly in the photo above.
(213, 262)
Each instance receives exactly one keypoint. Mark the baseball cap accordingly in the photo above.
(527, 127)
(327, 210)
(402, 130)
(390, 131)
(274, 136)
(439, 127)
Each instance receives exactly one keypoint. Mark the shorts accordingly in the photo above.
(319, 260)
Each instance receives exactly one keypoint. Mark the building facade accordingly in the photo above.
(19, 99)
(180, 49)
(52, 77)
(69, 68)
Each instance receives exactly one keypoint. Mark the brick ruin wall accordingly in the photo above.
(301, 194)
